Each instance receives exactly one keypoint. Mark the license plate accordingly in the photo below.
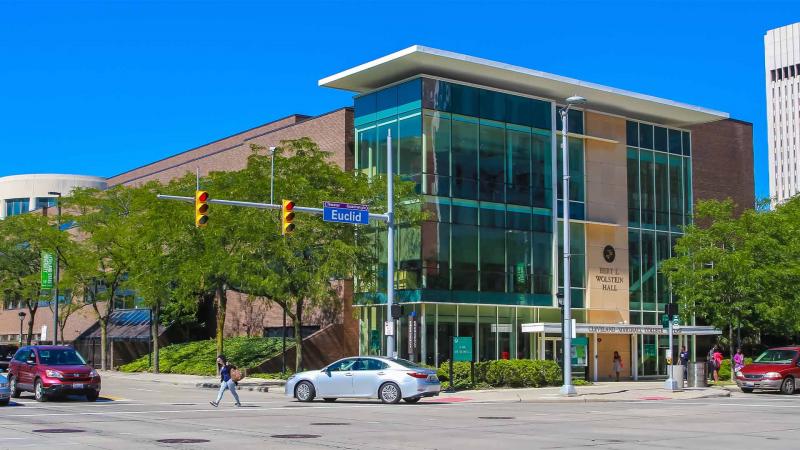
(748, 383)
(77, 386)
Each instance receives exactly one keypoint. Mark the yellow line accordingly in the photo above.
(113, 398)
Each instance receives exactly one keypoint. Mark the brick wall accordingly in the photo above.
(722, 162)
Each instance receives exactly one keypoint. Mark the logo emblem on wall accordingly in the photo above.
(609, 254)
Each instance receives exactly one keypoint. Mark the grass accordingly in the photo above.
(198, 357)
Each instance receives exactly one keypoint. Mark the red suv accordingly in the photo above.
(52, 371)
(776, 369)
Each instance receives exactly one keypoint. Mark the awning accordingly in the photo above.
(602, 328)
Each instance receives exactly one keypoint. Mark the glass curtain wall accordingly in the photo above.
(659, 206)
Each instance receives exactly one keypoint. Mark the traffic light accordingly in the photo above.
(287, 217)
(200, 208)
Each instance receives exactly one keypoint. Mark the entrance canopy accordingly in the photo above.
(600, 328)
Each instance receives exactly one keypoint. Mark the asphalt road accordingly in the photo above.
(138, 415)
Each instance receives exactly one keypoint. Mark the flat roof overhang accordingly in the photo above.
(420, 60)
(611, 328)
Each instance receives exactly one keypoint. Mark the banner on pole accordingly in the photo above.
(48, 269)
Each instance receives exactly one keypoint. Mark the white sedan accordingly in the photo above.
(388, 379)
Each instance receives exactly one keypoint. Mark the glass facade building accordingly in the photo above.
(483, 160)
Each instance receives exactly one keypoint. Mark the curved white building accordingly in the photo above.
(23, 193)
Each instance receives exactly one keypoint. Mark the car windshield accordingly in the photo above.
(61, 357)
(776, 357)
(407, 364)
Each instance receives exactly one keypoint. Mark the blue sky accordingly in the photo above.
(103, 87)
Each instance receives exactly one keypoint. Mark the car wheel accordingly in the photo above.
(412, 399)
(787, 387)
(38, 391)
(747, 390)
(329, 399)
(92, 396)
(12, 385)
(389, 393)
(304, 391)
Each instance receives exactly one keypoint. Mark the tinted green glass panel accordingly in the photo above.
(634, 269)
(648, 271)
(675, 193)
(662, 191)
(493, 215)
(519, 110)
(492, 163)
(687, 191)
(663, 246)
(464, 157)
(574, 120)
(633, 187)
(386, 102)
(493, 105)
(542, 263)
(465, 213)
(518, 261)
(380, 156)
(542, 115)
(577, 260)
(366, 143)
(541, 156)
(575, 169)
(645, 135)
(492, 255)
(365, 107)
(436, 254)
(687, 144)
(409, 263)
(632, 133)
(465, 100)
(647, 186)
(410, 145)
(409, 95)
(660, 139)
(519, 173)
(675, 142)
(465, 241)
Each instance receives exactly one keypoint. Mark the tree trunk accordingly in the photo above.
(154, 336)
(298, 337)
(732, 350)
(104, 343)
(220, 303)
(30, 326)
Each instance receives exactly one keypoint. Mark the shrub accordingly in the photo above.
(504, 373)
(725, 368)
(199, 357)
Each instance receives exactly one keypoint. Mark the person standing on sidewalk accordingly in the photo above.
(717, 357)
(226, 382)
(738, 361)
(617, 364)
(683, 356)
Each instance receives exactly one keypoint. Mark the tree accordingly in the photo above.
(107, 241)
(739, 271)
(22, 240)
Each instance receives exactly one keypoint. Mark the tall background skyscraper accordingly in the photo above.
(782, 64)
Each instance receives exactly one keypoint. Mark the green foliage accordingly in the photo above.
(199, 357)
(503, 373)
(725, 368)
(272, 376)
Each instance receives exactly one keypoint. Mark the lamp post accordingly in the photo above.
(567, 388)
(55, 284)
(21, 318)
(272, 201)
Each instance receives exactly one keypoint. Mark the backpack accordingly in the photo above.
(236, 375)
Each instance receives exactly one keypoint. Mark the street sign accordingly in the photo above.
(388, 328)
(665, 321)
(345, 213)
(578, 353)
(462, 348)
(676, 321)
(48, 269)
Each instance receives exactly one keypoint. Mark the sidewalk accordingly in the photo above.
(598, 392)
(247, 384)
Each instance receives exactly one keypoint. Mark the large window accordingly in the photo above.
(15, 206)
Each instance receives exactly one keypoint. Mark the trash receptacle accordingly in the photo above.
(697, 374)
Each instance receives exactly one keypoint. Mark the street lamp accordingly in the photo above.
(21, 318)
(272, 201)
(567, 388)
(55, 284)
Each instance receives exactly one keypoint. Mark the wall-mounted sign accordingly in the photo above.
(609, 254)
(48, 269)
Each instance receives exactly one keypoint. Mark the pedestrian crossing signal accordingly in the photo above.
(200, 208)
(287, 217)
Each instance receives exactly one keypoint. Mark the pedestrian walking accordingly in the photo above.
(710, 362)
(617, 364)
(227, 374)
(683, 356)
(717, 357)
(738, 360)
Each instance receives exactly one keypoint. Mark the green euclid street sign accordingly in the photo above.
(48, 268)
(462, 348)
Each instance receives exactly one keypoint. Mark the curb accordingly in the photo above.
(586, 399)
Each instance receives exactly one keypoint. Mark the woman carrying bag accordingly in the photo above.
(229, 376)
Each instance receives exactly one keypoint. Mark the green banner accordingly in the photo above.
(48, 269)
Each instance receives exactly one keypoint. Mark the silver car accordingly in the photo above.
(5, 392)
(389, 379)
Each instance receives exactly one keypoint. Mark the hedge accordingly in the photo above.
(725, 368)
(199, 357)
(503, 373)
